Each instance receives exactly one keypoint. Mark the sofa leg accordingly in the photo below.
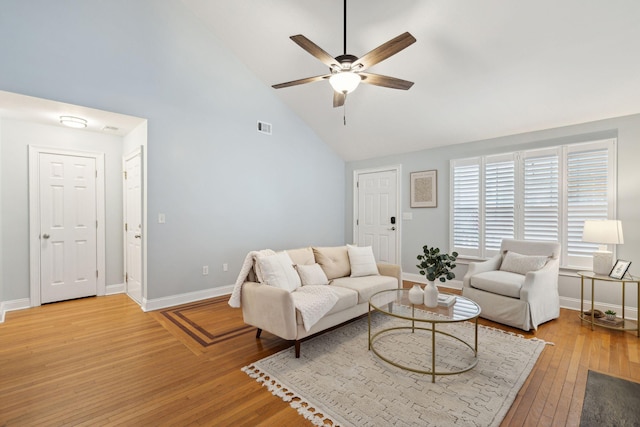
(258, 332)
(297, 349)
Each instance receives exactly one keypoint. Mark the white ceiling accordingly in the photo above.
(482, 68)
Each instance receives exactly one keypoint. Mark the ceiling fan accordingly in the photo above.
(346, 71)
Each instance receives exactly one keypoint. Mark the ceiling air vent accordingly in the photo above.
(264, 127)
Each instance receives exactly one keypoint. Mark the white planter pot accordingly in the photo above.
(416, 296)
(431, 294)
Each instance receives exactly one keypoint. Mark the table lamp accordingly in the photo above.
(604, 232)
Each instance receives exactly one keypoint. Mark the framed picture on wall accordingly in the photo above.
(619, 269)
(424, 189)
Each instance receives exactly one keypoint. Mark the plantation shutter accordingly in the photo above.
(499, 201)
(589, 192)
(465, 178)
(541, 205)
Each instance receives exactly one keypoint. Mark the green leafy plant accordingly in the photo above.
(436, 265)
(610, 312)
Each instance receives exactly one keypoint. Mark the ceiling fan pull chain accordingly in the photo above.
(344, 111)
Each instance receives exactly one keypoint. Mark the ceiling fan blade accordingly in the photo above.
(338, 99)
(301, 81)
(315, 50)
(385, 81)
(384, 51)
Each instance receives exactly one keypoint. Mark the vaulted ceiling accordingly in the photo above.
(482, 68)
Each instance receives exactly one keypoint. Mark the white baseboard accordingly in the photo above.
(173, 300)
(17, 304)
(574, 304)
(118, 288)
(418, 278)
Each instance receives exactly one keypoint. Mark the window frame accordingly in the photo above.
(563, 151)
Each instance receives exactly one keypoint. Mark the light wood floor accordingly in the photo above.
(102, 361)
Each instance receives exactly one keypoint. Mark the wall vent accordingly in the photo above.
(264, 127)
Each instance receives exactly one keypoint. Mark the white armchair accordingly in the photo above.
(519, 286)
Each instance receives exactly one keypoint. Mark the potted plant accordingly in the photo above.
(435, 265)
(610, 314)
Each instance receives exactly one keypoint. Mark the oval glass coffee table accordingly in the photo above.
(422, 318)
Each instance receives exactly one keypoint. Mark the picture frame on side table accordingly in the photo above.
(619, 269)
(424, 189)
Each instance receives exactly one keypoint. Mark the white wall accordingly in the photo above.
(431, 226)
(16, 136)
(224, 188)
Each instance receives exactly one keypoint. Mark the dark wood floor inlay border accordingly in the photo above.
(179, 316)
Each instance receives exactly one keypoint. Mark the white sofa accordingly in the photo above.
(272, 309)
(521, 291)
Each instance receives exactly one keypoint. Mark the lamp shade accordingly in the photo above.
(344, 81)
(604, 232)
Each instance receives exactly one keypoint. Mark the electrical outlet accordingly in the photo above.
(205, 270)
(225, 267)
(161, 218)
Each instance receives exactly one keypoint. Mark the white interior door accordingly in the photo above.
(133, 225)
(377, 217)
(68, 227)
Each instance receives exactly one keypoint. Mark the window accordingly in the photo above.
(544, 194)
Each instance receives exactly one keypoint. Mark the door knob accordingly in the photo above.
(45, 236)
(137, 236)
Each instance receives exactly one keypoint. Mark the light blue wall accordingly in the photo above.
(224, 188)
(431, 225)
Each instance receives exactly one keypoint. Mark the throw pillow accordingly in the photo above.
(362, 261)
(312, 274)
(333, 260)
(278, 271)
(522, 264)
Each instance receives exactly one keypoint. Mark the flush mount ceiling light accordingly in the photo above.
(73, 122)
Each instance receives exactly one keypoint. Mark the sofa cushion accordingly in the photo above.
(347, 298)
(302, 256)
(366, 286)
(333, 260)
(278, 271)
(362, 261)
(522, 264)
(311, 274)
(498, 282)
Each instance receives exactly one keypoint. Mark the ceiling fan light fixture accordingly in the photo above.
(344, 81)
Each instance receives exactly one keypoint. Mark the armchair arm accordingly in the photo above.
(392, 270)
(541, 282)
(480, 267)
(269, 308)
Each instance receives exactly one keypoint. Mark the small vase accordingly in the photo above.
(610, 317)
(431, 294)
(416, 296)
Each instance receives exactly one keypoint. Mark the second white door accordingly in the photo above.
(133, 225)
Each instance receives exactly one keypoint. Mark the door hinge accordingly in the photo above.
(125, 227)
(357, 184)
(96, 223)
(96, 173)
(357, 222)
(96, 274)
(126, 278)
(125, 174)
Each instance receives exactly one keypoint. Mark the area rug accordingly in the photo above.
(337, 380)
(610, 401)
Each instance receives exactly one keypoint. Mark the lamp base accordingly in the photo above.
(602, 262)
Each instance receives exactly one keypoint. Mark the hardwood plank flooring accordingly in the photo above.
(102, 361)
